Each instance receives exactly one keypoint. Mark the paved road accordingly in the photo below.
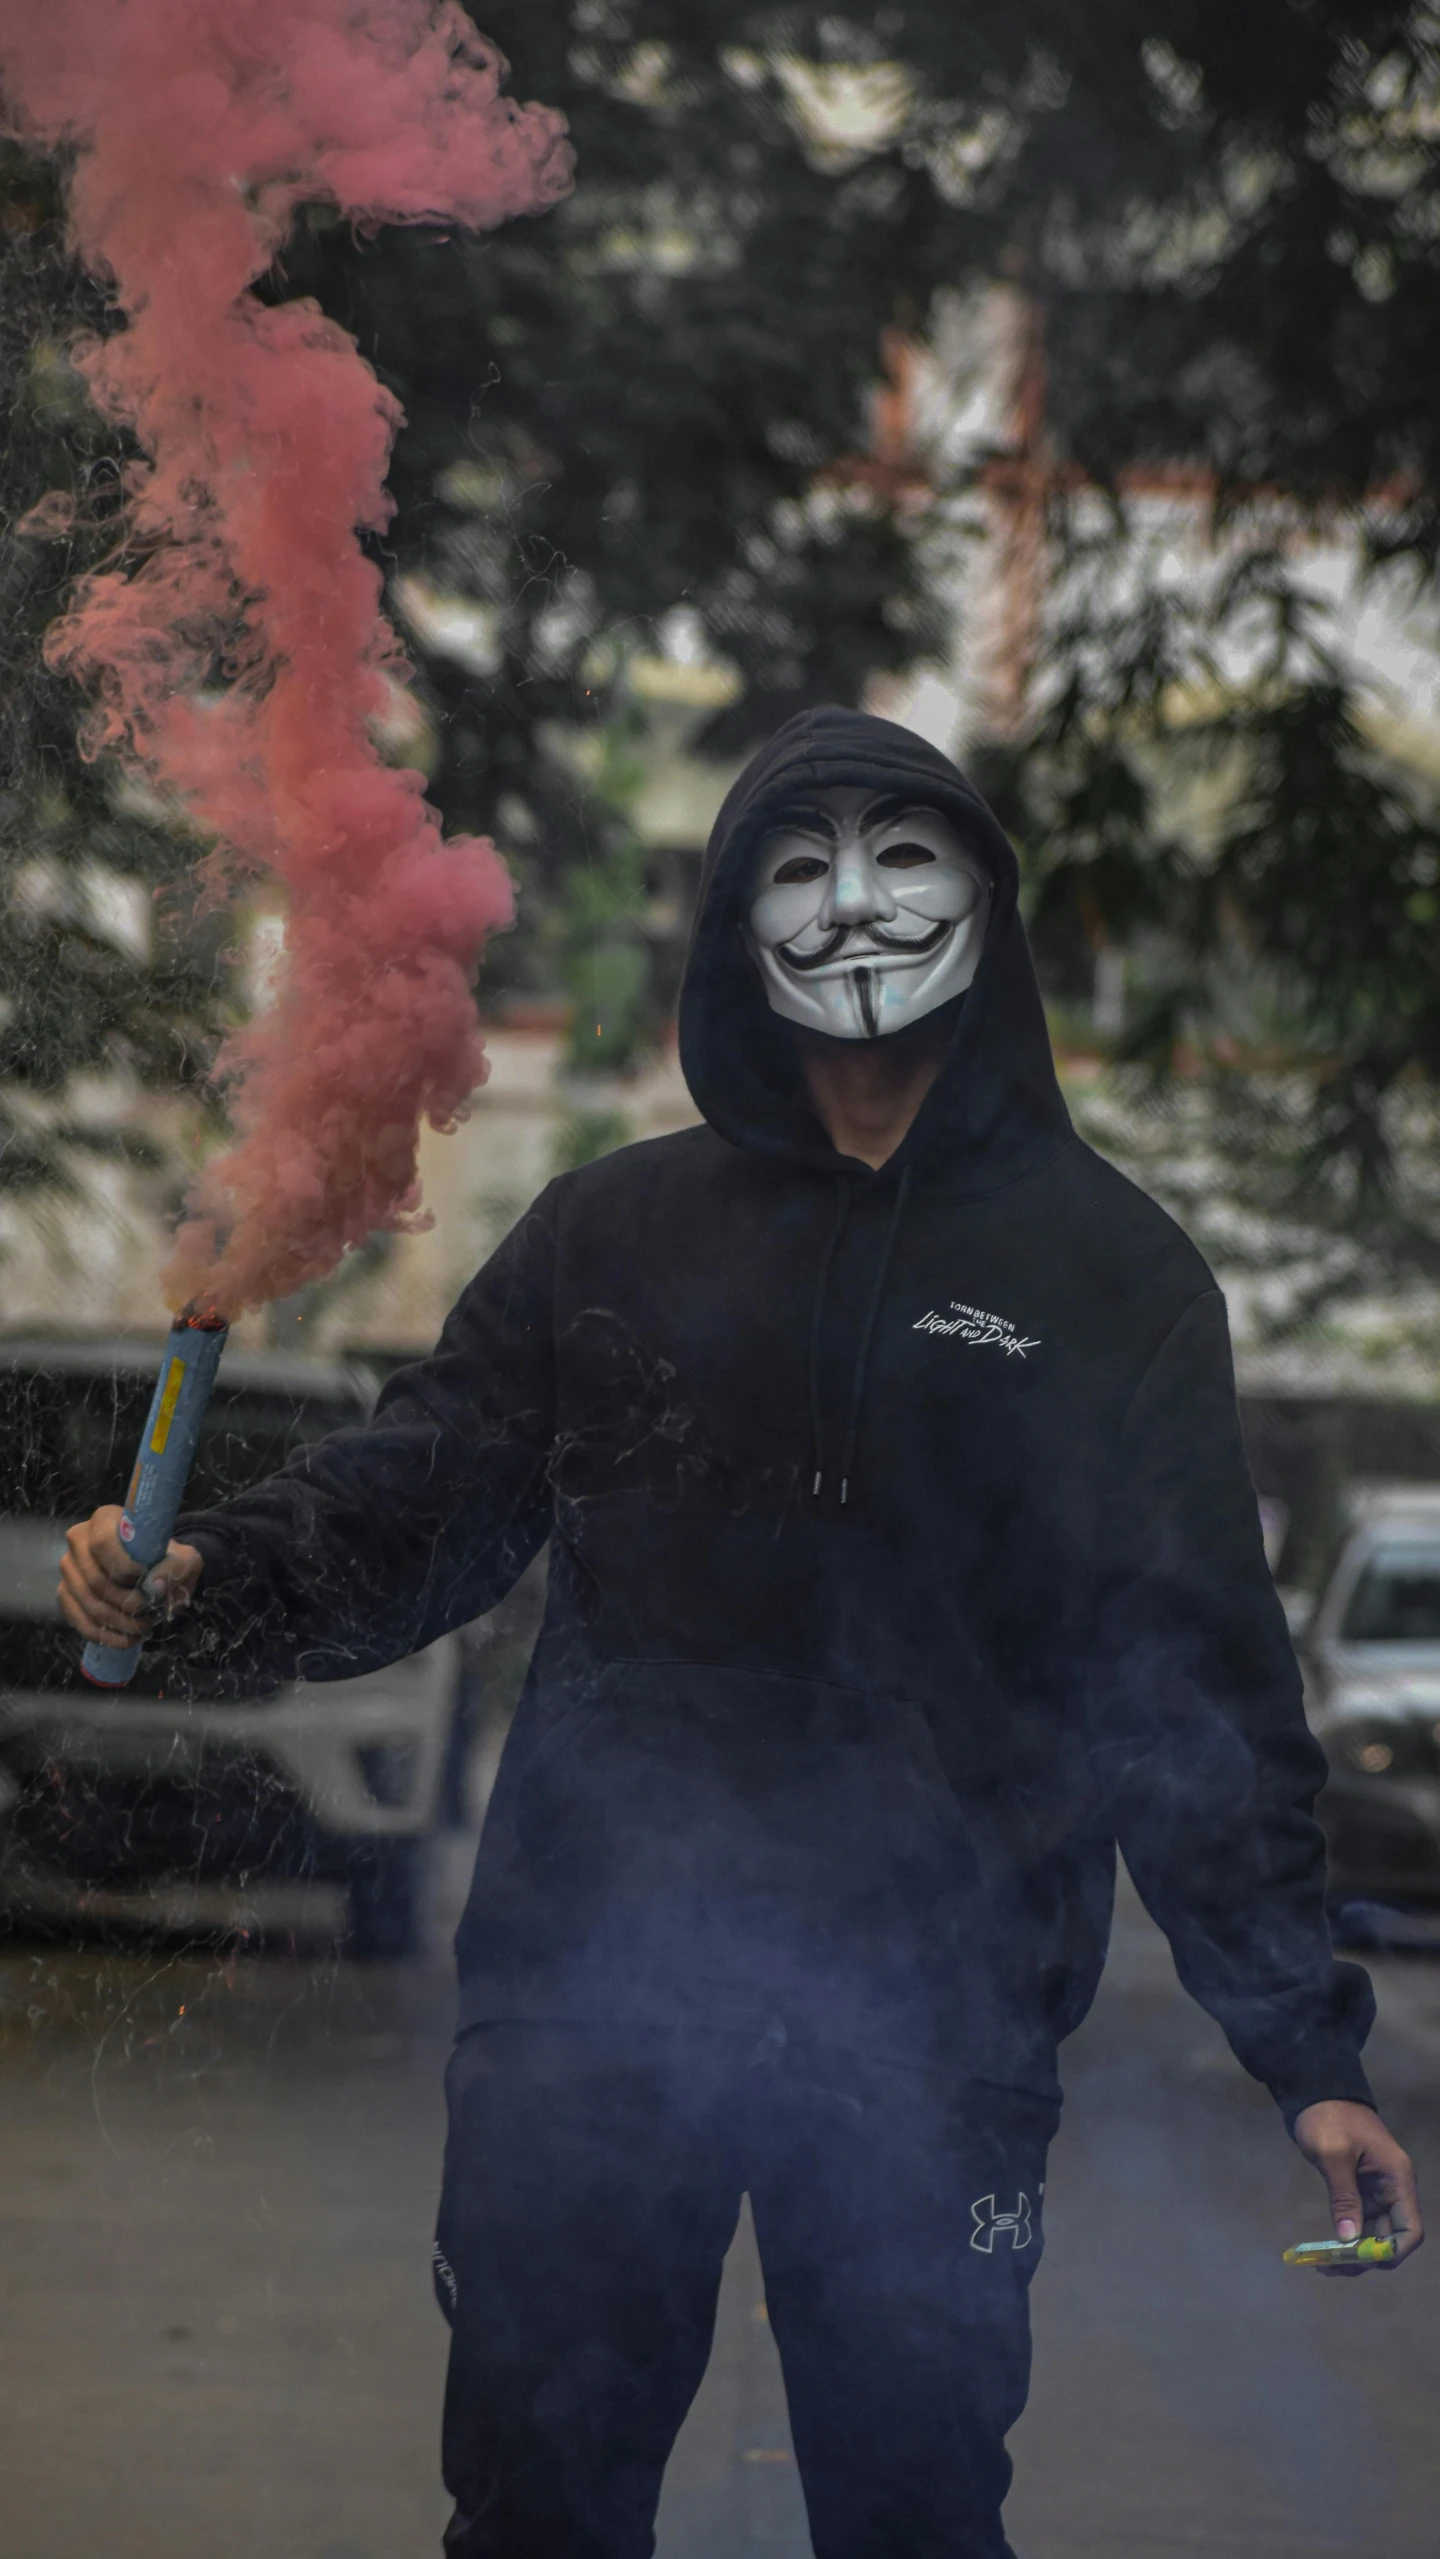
(216, 2187)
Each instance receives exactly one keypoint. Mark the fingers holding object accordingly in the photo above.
(1402, 2216)
(100, 1560)
(170, 1585)
(1346, 2210)
(1372, 2190)
(97, 1607)
(98, 1540)
(98, 1582)
(101, 1592)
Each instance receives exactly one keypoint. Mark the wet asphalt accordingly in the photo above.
(218, 2339)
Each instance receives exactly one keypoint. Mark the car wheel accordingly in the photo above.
(387, 1900)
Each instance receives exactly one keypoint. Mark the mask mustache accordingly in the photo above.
(913, 946)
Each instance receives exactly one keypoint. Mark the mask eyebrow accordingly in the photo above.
(801, 819)
(894, 804)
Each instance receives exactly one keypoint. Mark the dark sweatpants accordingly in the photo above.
(593, 2178)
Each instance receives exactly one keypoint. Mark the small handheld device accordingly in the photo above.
(1323, 2254)
(182, 1391)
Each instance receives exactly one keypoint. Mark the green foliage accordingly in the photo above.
(600, 916)
(1226, 218)
(622, 409)
(1270, 870)
(584, 1136)
(104, 961)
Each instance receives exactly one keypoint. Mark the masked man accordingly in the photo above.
(903, 1561)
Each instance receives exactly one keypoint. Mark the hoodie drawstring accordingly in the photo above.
(842, 1213)
(872, 1317)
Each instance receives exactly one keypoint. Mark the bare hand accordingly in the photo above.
(1370, 2181)
(100, 1589)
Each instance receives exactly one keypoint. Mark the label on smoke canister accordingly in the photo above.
(165, 1409)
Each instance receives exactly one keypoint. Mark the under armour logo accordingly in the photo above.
(988, 2222)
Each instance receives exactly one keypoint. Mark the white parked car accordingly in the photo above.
(1371, 1652)
(167, 1796)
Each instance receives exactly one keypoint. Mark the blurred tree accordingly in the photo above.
(1225, 219)
(620, 411)
(599, 920)
(1237, 276)
(96, 970)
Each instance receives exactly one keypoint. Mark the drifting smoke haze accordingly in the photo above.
(236, 650)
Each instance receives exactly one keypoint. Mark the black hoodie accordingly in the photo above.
(903, 1557)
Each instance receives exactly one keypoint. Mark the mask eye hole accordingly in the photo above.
(801, 866)
(905, 857)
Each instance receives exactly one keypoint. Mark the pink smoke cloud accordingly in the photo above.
(202, 125)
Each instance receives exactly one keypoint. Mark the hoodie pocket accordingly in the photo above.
(697, 1788)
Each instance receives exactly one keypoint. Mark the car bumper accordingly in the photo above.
(302, 1908)
(344, 1760)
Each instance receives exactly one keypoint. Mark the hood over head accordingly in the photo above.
(995, 1107)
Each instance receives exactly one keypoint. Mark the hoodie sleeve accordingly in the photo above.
(1201, 1734)
(378, 1539)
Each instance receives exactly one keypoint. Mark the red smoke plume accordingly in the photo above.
(202, 124)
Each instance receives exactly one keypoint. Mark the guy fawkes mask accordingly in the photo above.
(865, 913)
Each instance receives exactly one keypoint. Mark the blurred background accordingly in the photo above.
(1062, 384)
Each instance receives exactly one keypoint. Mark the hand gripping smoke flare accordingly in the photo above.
(199, 127)
(177, 1408)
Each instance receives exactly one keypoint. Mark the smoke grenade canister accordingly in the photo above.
(182, 1391)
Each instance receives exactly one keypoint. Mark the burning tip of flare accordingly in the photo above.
(200, 1316)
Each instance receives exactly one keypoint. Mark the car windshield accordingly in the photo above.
(68, 1443)
(1397, 1598)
